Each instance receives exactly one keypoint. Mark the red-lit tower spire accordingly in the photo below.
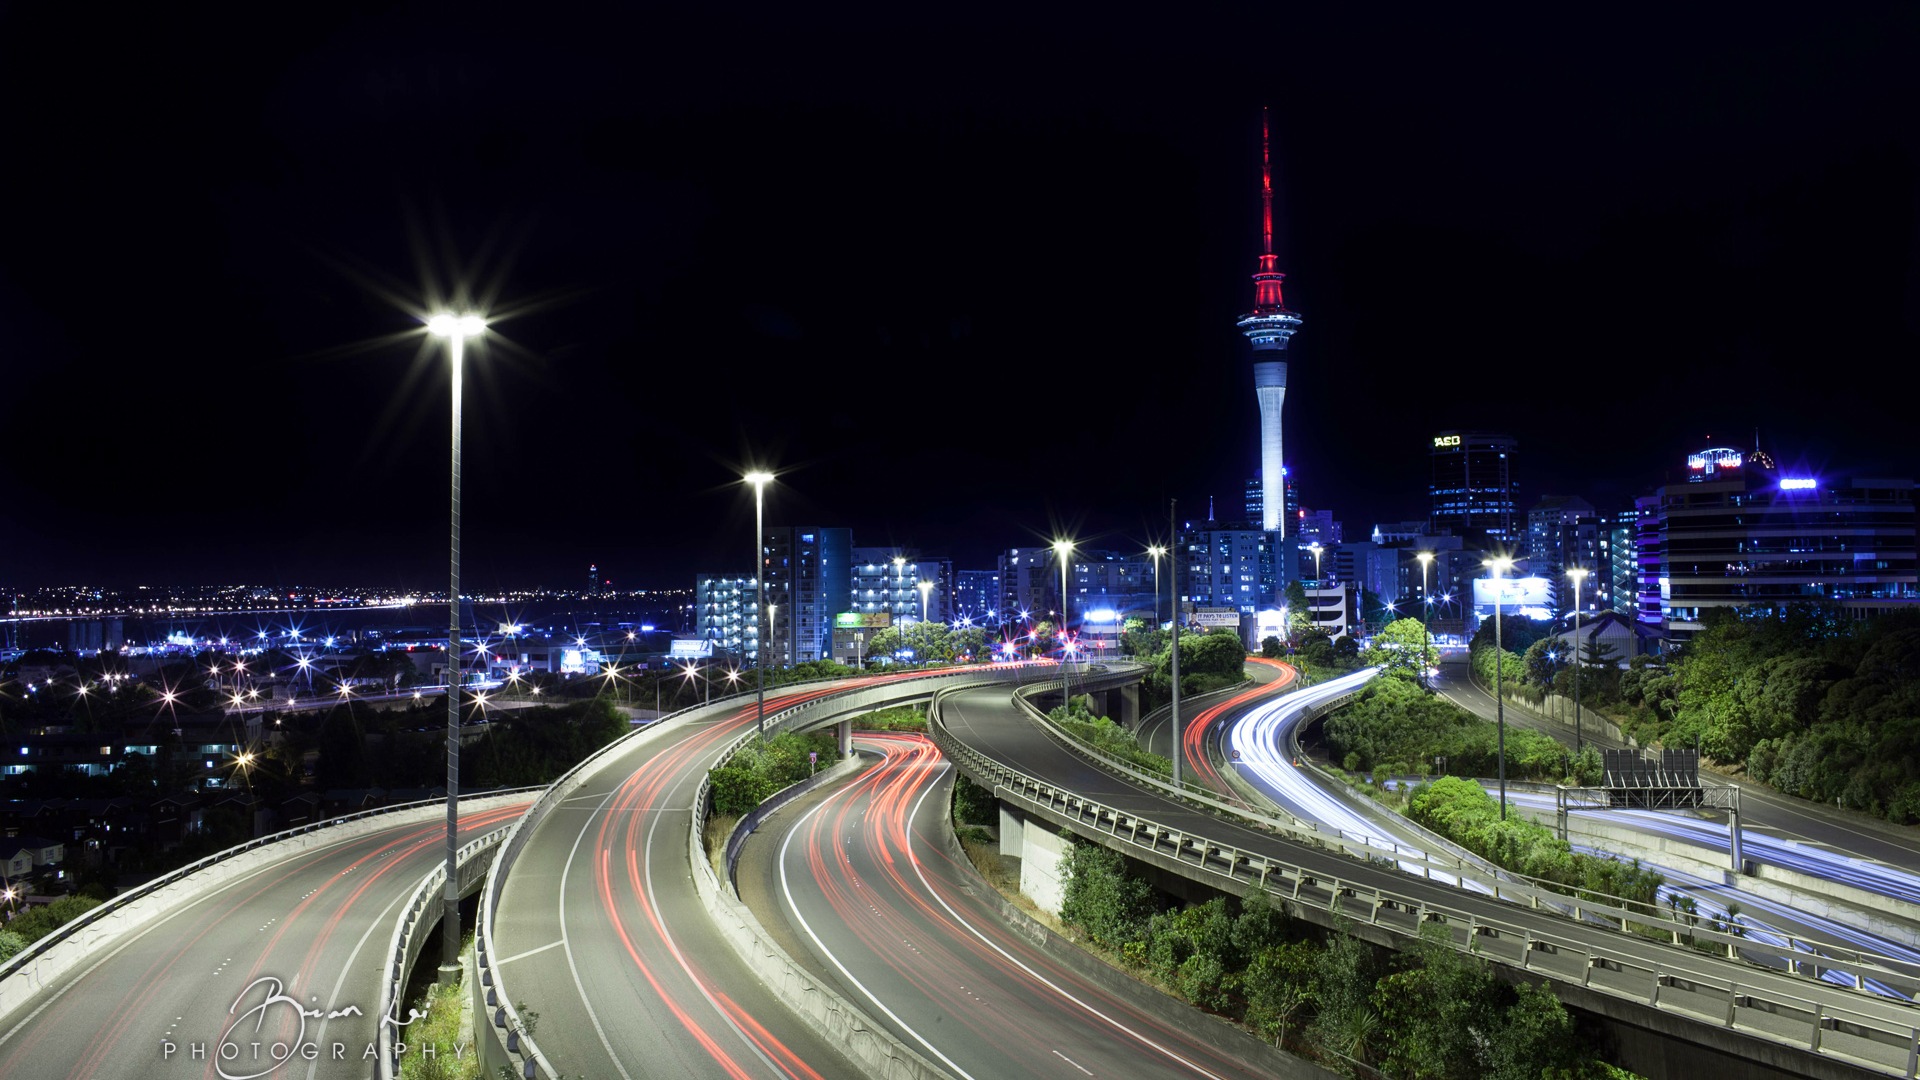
(1268, 327)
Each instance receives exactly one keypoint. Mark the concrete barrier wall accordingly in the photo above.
(1882, 916)
(21, 983)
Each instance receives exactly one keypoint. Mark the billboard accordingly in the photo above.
(1214, 618)
(691, 649)
(1513, 592)
(862, 620)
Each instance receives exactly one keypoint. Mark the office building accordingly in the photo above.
(1563, 532)
(1226, 565)
(1747, 534)
(1473, 488)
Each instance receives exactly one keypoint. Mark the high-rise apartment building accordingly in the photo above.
(809, 574)
(723, 613)
(976, 596)
(887, 579)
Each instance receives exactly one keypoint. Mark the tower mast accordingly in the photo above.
(1268, 327)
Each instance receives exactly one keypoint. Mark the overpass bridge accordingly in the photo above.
(1670, 1006)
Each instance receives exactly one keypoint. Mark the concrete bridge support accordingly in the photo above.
(843, 734)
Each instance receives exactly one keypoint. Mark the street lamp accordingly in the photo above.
(1579, 577)
(759, 480)
(1316, 549)
(1500, 566)
(1062, 549)
(456, 329)
(1154, 551)
(926, 590)
(1426, 609)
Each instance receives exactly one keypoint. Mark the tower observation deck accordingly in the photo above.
(1268, 327)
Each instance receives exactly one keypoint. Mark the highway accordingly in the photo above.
(1842, 831)
(987, 723)
(312, 927)
(601, 931)
(863, 884)
(1259, 735)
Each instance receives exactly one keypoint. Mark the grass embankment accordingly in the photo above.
(1463, 812)
(434, 1048)
(1102, 734)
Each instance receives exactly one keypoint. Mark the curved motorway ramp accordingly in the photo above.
(865, 887)
(601, 931)
(312, 927)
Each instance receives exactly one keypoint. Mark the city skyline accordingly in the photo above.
(953, 314)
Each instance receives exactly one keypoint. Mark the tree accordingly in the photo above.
(1270, 647)
(1100, 897)
(1400, 649)
(1436, 1015)
(1281, 983)
(1217, 652)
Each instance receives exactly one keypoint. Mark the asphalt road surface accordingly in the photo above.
(311, 928)
(863, 885)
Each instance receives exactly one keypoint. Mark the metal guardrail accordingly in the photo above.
(118, 904)
(503, 1021)
(424, 909)
(1890, 1029)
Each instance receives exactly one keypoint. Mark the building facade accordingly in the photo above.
(888, 579)
(1473, 488)
(1227, 566)
(1749, 535)
(809, 575)
(723, 614)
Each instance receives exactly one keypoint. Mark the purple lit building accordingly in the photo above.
(1749, 534)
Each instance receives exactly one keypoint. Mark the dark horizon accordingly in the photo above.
(963, 289)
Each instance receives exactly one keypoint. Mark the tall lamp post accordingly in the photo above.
(1173, 595)
(1426, 611)
(759, 480)
(456, 329)
(1579, 577)
(1062, 549)
(926, 590)
(1500, 566)
(1154, 551)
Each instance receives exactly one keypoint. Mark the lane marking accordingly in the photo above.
(529, 952)
(786, 887)
(573, 967)
(1071, 1062)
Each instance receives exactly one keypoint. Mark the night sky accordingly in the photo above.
(965, 277)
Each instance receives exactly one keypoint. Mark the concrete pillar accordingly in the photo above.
(844, 731)
(1040, 868)
(1013, 841)
(1129, 707)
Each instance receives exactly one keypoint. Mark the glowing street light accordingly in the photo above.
(760, 479)
(1579, 577)
(1154, 551)
(1062, 549)
(926, 589)
(1499, 566)
(1426, 611)
(456, 328)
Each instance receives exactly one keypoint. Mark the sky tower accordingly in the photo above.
(1268, 326)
